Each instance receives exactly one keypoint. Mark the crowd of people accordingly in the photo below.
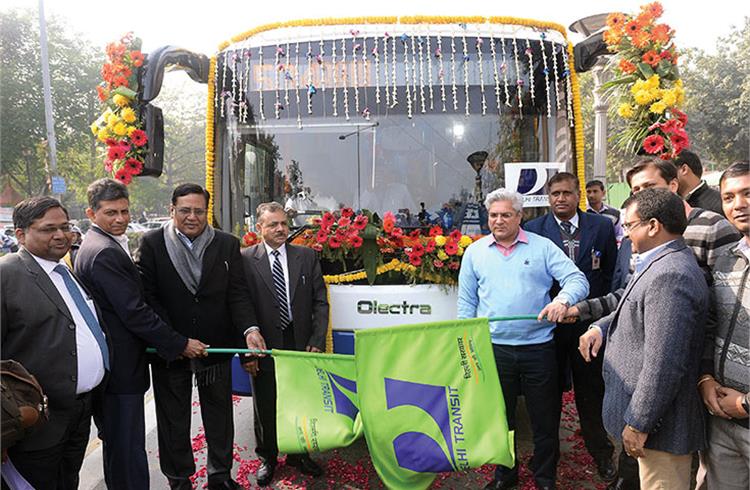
(651, 335)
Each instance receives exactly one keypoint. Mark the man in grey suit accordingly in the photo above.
(51, 325)
(289, 295)
(654, 345)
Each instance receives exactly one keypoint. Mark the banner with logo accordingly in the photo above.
(356, 307)
(431, 400)
(316, 407)
(530, 180)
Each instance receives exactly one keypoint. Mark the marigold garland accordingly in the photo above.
(210, 138)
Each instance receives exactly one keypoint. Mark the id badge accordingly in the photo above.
(596, 260)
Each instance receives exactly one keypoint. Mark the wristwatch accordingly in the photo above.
(746, 404)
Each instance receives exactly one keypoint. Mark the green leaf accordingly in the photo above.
(125, 91)
(370, 257)
(645, 70)
(619, 81)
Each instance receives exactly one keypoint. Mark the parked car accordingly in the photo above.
(136, 228)
(153, 225)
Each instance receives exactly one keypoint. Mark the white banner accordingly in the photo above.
(357, 307)
(530, 180)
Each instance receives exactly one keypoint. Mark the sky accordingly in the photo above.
(202, 26)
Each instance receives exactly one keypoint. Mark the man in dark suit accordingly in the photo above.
(193, 278)
(695, 191)
(105, 267)
(654, 345)
(589, 241)
(287, 287)
(52, 327)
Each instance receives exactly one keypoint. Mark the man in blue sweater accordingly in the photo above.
(507, 273)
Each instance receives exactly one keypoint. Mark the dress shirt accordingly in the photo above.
(640, 261)
(88, 353)
(520, 238)
(122, 240)
(573, 221)
(184, 238)
(285, 267)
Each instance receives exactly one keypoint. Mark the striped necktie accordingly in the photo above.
(85, 311)
(279, 285)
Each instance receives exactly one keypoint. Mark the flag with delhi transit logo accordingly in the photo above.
(426, 396)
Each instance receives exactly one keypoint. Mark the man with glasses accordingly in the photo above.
(51, 325)
(654, 343)
(510, 272)
(106, 268)
(707, 234)
(193, 278)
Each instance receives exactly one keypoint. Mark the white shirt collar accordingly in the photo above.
(281, 249)
(689, 194)
(642, 260)
(122, 240)
(573, 221)
(47, 266)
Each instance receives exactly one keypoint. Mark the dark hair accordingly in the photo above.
(34, 208)
(592, 183)
(665, 168)
(737, 169)
(185, 189)
(662, 205)
(105, 190)
(687, 157)
(562, 177)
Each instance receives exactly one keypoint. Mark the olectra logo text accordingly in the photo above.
(367, 307)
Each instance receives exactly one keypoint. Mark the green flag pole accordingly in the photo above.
(230, 350)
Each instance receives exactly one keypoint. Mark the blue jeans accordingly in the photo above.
(531, 371)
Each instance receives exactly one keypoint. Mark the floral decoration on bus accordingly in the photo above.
(119, 127)
(648, 85)
(362, 246)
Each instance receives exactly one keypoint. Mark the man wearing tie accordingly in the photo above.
(589, 241)
(51, 325)
(287, 288)
(106, 268)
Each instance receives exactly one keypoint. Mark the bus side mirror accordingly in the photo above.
(153, 122)
(588, 52)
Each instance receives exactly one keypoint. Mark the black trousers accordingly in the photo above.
(531, 371)
(264, 402)
(122, 428)
(57, 467)
(173, 389)
(588, 384)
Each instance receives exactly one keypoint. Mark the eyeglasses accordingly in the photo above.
(198, 212)
(633, 224)
(50, 230)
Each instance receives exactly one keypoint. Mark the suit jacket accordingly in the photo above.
(307, 293)
(621, 275)
(38, 331)
(112, 277)
(597, 235)
(654, 344)
(220, 310)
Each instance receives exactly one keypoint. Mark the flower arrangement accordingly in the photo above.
(375, 247)
(647, 83)
(119, 127)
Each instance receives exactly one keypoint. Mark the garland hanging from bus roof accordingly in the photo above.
(562, 75)
(120, 127)
(648, 88)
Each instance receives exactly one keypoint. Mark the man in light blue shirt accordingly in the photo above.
(508, 273)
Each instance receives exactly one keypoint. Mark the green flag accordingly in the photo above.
(431, 400)
(316, 407)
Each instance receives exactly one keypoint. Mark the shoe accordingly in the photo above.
(304, 464)
(502, 484)
(606, 469)
(264, 475)
(225, 485)
(180, 484)
(622, 484)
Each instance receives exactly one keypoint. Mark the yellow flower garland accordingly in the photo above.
(210, 156)
(419, 19)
